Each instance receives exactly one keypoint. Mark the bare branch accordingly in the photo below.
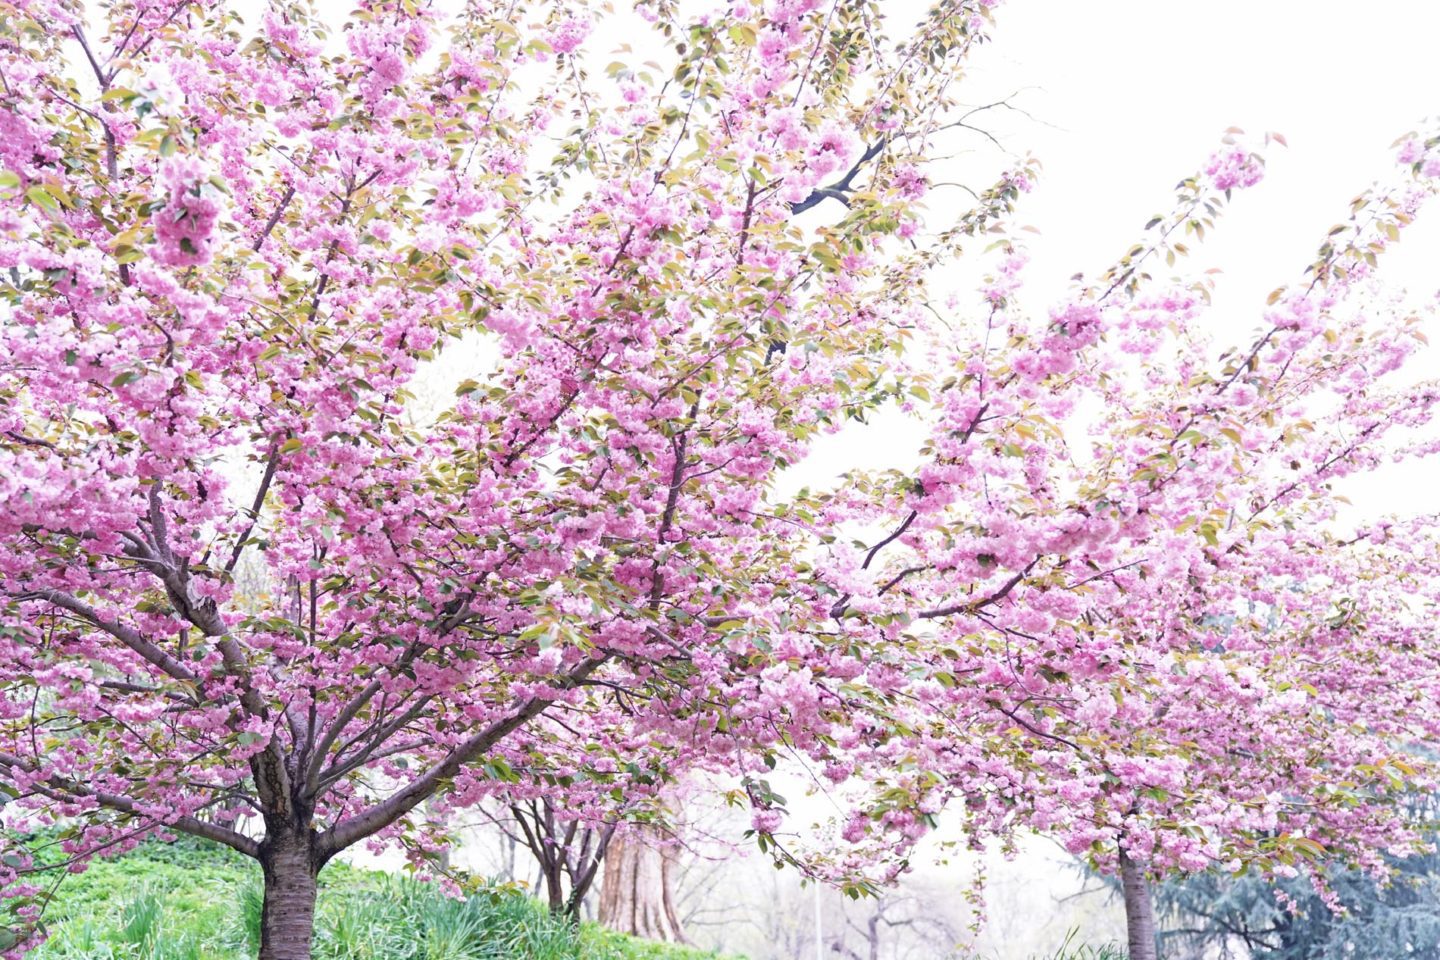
(271, 461)
(840, 189)
(971, 606)
(381, 815)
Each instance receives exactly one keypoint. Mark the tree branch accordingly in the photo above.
(272, 460)
(971, 606)
(274, 218)
(838, 609)
(840, 189)
(63, 791)
(132, 638)
(381, 815)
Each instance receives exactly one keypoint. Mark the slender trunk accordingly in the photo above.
(1139, 910)
(288, 916)
(509, 874)
(555, 887)
(636, 896)
(590, 861)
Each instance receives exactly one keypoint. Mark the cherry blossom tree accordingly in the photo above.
(1152, 643)
(253, 591)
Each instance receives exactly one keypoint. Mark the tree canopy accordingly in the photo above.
(255, 592)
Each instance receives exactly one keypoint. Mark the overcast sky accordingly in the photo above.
(1137, 92)
(1127, 97)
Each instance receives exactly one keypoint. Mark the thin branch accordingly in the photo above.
(274, 218)
(840, 189)
(381, 815)
(132, 638)
(62, 790)
(838, 609)
(272, 459)
(94, 66)
(971, 606)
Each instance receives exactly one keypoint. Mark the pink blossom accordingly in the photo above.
(1234, 167)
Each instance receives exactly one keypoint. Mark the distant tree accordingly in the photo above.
(567, 850)
(897, 925)
(1214, 915)
(1145, 629)
(638, 894)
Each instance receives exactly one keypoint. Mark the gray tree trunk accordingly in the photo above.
(1139, 910)
(637, 895)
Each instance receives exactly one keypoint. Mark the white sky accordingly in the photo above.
(1139, 91)
(1130, 96)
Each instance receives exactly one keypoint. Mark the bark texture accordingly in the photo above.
(569, 853)
(1139, 910)
(288, 917)
(637, 895)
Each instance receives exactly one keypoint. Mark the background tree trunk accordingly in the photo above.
(1139, 910)
(637, 895)
(288, 916)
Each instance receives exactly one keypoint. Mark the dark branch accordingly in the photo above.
(62, 790)
(381, 815)
(971, 606)
(840, 189)
(130, 637)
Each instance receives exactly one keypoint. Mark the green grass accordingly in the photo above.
(190, 901)
(1070, 950)
(186, 901)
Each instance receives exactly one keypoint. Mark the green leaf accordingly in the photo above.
(41, 198)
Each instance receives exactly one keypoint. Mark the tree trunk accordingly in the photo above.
(555, 887)
(1139, 910)
(637, 896)
(287, 919)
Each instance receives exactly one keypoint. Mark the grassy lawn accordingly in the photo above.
(184, 901)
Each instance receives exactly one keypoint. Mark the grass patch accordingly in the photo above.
(189, 901)
(1070, 950)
